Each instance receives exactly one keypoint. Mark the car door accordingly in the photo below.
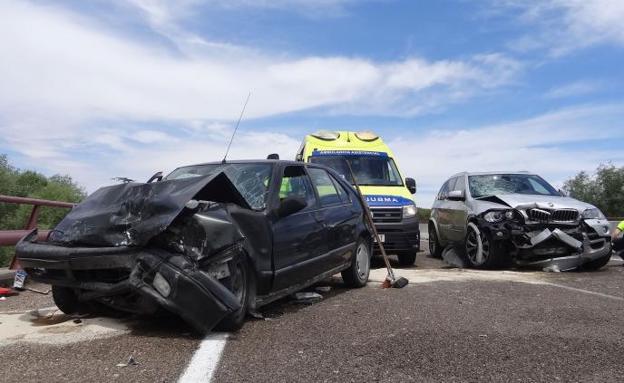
(298, 239)
(443, 212)
(457, 212)
(339, 218)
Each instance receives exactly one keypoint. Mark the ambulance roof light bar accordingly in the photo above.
(326, 135)
(366, 136)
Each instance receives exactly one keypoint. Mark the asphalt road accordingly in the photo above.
(447, 325)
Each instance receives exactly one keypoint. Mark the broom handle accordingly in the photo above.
(369, 217)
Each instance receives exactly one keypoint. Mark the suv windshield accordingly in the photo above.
(496, 184)
(369, 170)
(251, 180)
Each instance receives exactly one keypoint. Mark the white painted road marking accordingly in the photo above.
(205, 360)
(584, 291)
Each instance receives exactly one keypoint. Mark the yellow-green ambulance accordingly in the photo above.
(389, 195)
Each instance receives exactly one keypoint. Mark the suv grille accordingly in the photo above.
(560, 215)
(386, 215)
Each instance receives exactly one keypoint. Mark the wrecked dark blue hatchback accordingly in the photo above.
(209, 242)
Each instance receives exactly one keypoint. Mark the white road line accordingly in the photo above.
(205, 360)
(583, 291)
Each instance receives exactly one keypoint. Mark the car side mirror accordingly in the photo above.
(411, 185)
(563, 193)
(156, 177)
(290, 206)
(456, 195)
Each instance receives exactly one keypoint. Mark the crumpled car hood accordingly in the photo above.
(549, 202)
(133, 213)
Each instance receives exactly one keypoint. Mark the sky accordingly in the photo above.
(101, 89)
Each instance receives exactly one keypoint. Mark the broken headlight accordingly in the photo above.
(495, 216)
(593, 213)
(409, 211)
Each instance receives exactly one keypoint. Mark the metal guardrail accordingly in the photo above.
(12, 237)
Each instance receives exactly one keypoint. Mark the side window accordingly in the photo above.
(324, 187)
(444, 190)
(344, 194)
(295, 183)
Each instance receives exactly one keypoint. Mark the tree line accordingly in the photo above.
(27, 183)
(603, 189)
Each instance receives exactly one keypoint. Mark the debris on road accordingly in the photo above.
(307, 297)
(451, 256)
(5, 292)
(323, 289)
(131, 362)
(20, 279)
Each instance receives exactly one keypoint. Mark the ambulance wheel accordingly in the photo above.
(407, 258)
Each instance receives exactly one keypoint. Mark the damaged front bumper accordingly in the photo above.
(130, 279)
(565, 247)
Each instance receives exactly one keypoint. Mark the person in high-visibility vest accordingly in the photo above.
(618, 237)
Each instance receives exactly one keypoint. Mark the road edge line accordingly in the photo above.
(583, 291)
(205, 360)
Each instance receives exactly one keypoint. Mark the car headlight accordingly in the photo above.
(593, 213)
(161, 285)
(409, 211)
(495, 216)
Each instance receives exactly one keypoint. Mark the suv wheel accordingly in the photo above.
(435, 249)
(357, 274)
(481, 251)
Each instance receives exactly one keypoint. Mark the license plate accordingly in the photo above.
(382, 238)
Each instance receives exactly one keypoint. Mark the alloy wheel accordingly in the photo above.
(477, 246)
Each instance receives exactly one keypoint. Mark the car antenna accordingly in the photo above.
(236, 128)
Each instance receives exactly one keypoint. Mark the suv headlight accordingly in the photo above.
(496, 216)
(593, 213)
(409, 211)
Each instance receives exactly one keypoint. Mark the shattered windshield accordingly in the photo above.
(251, 180)
(368, 170)
(497, 184)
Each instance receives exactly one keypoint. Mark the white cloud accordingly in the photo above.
(577, 88)
(77, 98)
(555, 145)
(567, 25)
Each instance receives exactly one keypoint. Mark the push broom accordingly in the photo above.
(391, 280)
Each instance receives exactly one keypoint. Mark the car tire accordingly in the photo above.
(66, 300)
(596, 263)
(481, 251)
(435, 249)
(407, 258)
(240, 282)
(356, 275)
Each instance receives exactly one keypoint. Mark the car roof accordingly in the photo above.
(491, 173)
(284, 162)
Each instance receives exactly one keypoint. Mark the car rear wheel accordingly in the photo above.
(357, 274)
(481, 251)
(240, 284)
(435, 249)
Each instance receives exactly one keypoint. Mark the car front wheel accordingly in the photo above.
(357, 274)
(481, 251)
(240, 284)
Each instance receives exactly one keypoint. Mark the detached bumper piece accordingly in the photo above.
(560, 250)
(131, 280)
